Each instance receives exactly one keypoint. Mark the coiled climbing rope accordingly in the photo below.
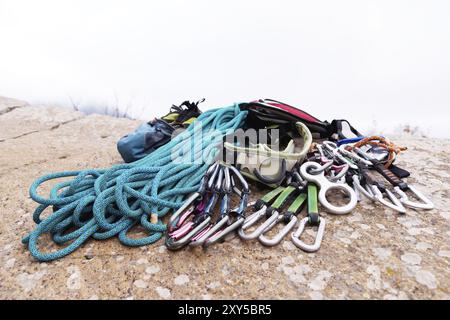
(101, 204)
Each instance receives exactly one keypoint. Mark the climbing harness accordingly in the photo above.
(261, 163)
(184, 181)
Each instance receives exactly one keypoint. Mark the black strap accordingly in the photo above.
(261, 115)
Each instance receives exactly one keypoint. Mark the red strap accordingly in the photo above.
(295, 111)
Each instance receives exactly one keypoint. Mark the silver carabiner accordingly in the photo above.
(295, 236)
(222, 233)
(203, 237)
(252, 219)
(426, 205)
(352, 155)
(360, 189)
(395, 204)
(280, 235)
(325, 185)
(341, 173)
(223, 182)
(188, 204)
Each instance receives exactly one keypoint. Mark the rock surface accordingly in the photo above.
(373, 253)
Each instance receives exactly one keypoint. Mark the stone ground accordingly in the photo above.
(373, 253)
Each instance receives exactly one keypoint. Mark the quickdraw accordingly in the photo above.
(271, 212)
(312, 219)
(193, 223)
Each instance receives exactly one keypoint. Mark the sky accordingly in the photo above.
(380, 64)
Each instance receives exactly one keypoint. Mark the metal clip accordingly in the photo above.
(295, 236)
(223, 180)
(179, 232)
(222, 233)
(426, 205)
(366, 191)
(289, 218)
(395, 204)
(280, 235)
(254, 218)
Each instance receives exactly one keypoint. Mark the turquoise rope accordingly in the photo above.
(104, 203)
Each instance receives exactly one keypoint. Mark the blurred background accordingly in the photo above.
(383, 65)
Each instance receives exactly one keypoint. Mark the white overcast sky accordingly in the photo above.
(380, 64)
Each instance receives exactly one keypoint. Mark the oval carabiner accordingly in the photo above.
(325, 185)
(295, 236)
(426, 205)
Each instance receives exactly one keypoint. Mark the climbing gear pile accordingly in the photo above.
(187, 190)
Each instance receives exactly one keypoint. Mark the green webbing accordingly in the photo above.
(312, 199)
(279, 201)
(272, 194)
(297, 204)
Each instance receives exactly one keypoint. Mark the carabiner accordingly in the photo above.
(217, 232)
(179, 232)
(255, 217)
(325, 185)
(184, 211)
(426, 205)
(292, 221)
(295, 236)
(399, 185)
(290, 218)
(260, 207)
(335, 150)
(270, 212)
(271, 180)
(312, 218)
(395, 203)
(366, 191)
(222, 233)
(222, 185)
